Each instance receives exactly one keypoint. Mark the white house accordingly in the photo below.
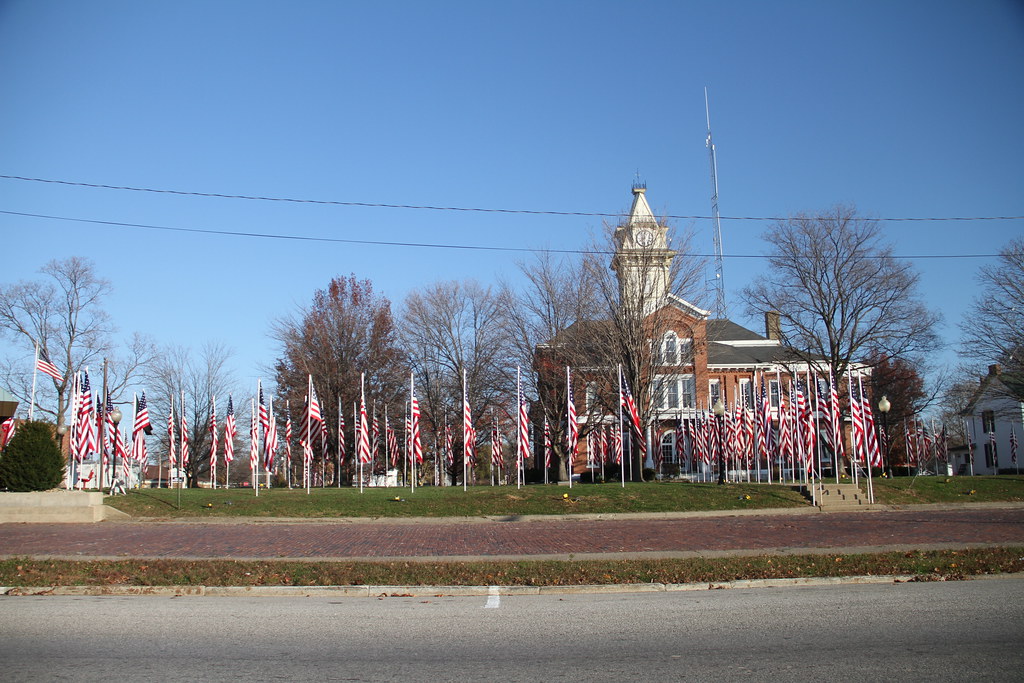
(994, 419)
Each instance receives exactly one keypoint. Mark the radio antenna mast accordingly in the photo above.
(720, 309)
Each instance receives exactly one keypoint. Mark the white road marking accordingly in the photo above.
(493, 599)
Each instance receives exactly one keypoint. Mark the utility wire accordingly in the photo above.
(422, 245)
(462, 208)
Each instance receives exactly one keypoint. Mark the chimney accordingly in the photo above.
(772, 325)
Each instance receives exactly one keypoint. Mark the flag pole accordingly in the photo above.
(411, 447)
(35, 372)
(306, 460)
(465, 432)
(362, 425)
(622, 440)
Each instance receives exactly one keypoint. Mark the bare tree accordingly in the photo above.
(63, 314)
(548, 320)
(199, 377)
(840, 291)
(455, 329)
(346, 332)
(993, 328)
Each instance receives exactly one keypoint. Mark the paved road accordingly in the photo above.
(556, 538)
(948, 631)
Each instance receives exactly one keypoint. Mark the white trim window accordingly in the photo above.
(670, 349)
(672, 392)
(590, 395)
(714, 390)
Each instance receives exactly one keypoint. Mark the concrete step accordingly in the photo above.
(56, 506)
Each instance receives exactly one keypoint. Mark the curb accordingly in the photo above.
(382, 592)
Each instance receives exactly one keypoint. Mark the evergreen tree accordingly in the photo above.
(32, 460)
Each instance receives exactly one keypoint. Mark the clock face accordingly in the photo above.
(645, 238)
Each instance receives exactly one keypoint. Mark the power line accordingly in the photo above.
(421, 245)
(425, 207)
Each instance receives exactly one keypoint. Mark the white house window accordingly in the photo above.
(988, 421)
(670, 349)
(714, 391)
(773, 390)
(688, 392)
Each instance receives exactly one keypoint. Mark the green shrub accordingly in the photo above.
(32, 460)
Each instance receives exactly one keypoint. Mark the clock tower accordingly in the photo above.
(642, 259)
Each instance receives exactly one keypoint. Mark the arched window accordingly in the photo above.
(668, 448)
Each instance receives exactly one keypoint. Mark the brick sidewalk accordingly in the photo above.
(547, 538)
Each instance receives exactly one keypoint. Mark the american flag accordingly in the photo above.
(523, 452)
(325, 446)
(1013, 444)
(547, 444)
(417, 443)
(254, 439)
(375, 436)
(603, 444)
(807, 426)
(834, 418)
(572, 431)
(264, 415)
(617, 445)
(183, 450)
(44, 366)
(230, 432)
(785, 428)
(171, 458)
(142, 422)
(287, 436)
(270, 439)
(139, 429)
(764, 423)
(392, 443)
(992, 449)
(6, 432)
(870, 435)
(449, 443)
(627, 402)
(109, 428)
(497, 459)
(314, 403)
(857, 423)
(910, 441)
(213, 439)
(468, 436)
(680, 439)
(364, 432)
(86, 425)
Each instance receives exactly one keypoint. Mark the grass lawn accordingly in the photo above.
(430, 501)
(925, 565)
(908, 490)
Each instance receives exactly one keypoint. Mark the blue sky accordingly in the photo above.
(904, 109)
